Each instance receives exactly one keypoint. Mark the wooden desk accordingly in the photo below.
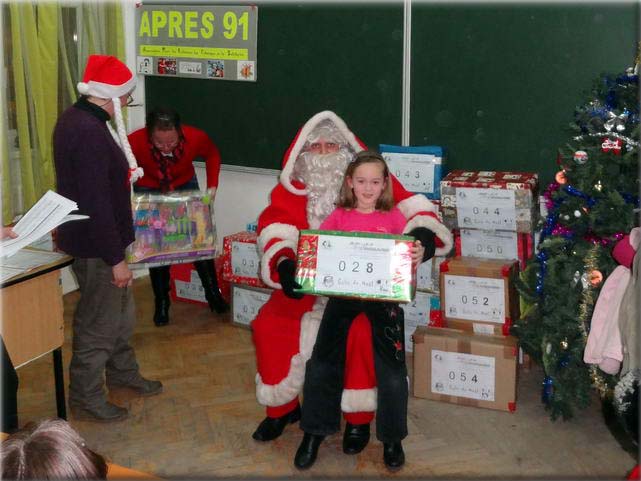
(32, 319)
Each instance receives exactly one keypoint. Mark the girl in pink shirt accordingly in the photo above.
(365, 205)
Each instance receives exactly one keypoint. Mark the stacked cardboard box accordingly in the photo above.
(478, 295)
(418, 168)
(241, 268)
(492, 214)
(457, 367)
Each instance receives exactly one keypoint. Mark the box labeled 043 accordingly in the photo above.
(461, 368)
(479, 295)
(356, 265)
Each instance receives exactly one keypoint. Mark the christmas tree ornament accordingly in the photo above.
(580, 157)
(548, 348)
(609, 145)
(595, 277)
(566, 217)
(598, 186)
(564, 344)
(547, 391)
(577, 214)
(576, 278)
(584, 280)
(560, 177)
(616, 122)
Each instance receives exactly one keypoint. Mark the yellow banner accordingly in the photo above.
(194, 52)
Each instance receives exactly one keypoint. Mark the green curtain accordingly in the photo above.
(47, 49)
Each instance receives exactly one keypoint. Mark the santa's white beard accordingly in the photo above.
(322, 175)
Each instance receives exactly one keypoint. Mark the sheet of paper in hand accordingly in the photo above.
(356, 265)
(172, 228)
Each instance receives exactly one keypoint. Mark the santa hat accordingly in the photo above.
(301, 138)
(107, 77)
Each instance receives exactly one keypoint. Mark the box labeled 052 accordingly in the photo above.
(479, 295)
(461, 368)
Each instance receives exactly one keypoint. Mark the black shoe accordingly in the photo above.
(393, 455)
(307, 451)
(161, 313)
(218, 304)
(207, 273)
(102, 413)
(355, 438)
(271, 428)
(142, 387)
(160, 277)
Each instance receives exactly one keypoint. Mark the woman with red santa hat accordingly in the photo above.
(94, 167)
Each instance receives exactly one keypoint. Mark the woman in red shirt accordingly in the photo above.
(165, 150)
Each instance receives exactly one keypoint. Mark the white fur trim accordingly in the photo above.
(352, 401)
(276, 230)
(265, 261)
(358, 400)
(288, 168)
(310, 322)
(442, 232)
(106, 91)
(415, 204)
(287, 389)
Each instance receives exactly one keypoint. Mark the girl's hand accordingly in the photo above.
(417, 253)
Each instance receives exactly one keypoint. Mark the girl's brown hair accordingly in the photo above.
(346, 196)
(50, 449)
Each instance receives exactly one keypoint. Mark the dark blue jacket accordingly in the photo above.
(92, 170)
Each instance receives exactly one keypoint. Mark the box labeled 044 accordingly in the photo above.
(461, 368)
(356, 265)
(490, 200)
(246, 302)
(479, 294)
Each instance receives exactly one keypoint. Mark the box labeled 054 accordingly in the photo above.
(461, 368)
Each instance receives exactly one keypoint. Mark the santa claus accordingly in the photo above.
(285, 329)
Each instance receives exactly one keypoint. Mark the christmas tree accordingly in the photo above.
(592, 204)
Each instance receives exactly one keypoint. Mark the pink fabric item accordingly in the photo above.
(351, 220)
(625, 249)
(604, 346)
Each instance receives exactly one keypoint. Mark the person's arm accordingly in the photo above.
(209, 151)
(278, 230)
(421, 213)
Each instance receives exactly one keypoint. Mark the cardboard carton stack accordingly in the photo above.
(241, 267)
(492, 214)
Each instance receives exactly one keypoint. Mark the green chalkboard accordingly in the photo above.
(311, 57)
(497, 84)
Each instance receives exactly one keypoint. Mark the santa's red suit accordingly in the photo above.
(285, 329)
